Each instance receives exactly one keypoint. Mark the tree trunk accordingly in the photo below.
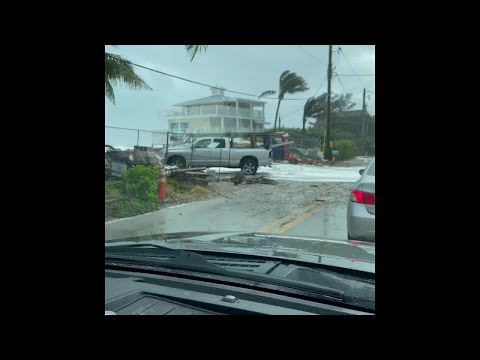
(276, 115)
(303, 129)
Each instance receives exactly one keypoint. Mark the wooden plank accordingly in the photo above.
(196, 173)
(187, 169)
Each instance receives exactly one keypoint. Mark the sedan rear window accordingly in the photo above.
(371, 170)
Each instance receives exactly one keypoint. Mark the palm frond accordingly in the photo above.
(109, 92)
(267, 93)
(192, 50)
(119, 71)
(291, 83)
(283, 75)
(310, 108)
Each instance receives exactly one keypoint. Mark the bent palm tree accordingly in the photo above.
(119, 70)
(311, 109)
(290, 83)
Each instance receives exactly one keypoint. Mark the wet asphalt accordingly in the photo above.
(322, 220)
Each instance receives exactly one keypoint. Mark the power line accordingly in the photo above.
(337, 58)
(340, 81)
(356, 75)
(325, 78)
(293, 112)
(206, 85)
(317, 59)
(351, 67)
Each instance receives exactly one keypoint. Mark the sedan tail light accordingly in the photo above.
(363, 197)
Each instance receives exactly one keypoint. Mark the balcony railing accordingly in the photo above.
(219, 110)
(219, 130)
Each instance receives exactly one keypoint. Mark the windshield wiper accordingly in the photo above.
(161, 256)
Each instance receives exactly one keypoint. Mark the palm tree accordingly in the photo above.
(192, 50)
(290, 83)
(119, 70)
(311, 109)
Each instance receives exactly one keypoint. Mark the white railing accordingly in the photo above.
(217, 110)
(220, 130)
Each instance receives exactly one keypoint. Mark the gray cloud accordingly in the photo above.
(245, 68)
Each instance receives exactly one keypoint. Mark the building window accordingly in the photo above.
(245, 124)
(179, 127)
(229, 124)
(215, 123)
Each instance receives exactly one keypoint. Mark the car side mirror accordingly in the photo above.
(361, 171)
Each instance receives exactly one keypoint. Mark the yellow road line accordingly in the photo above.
(291, 219)
(273, 225)
(298, 219)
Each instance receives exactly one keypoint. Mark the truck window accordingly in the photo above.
(203, 143)
(221, 143)
(248, 142)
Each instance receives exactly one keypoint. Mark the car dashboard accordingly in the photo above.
(140, 293)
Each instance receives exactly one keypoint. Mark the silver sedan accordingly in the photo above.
(361, 206)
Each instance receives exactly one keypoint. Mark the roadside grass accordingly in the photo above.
(178, 192)
(113, 189)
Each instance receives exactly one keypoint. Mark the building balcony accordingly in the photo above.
(213, 130)
(216, 110)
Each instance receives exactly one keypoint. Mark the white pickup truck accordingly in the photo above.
(219, 151)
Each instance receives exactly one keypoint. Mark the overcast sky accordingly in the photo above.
(245, 68)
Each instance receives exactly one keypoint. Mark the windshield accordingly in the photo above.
(218, 139)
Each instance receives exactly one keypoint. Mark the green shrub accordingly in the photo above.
(139, 190)
(141, 183)
(346, 149)
(113, 189)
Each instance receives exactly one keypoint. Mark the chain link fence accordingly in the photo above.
(153, 147)
(303, 147)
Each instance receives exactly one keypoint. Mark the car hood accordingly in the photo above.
(354, 255)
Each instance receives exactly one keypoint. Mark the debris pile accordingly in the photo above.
(195, 176)
(241, 178)
(295, 160)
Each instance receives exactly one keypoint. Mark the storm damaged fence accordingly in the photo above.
(303, 147)
(127, 138)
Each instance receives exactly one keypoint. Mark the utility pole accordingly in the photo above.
(363, 122)
(328, 152)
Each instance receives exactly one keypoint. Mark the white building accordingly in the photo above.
(218, 113)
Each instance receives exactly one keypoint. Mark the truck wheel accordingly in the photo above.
(177, 161)
(249, 166)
